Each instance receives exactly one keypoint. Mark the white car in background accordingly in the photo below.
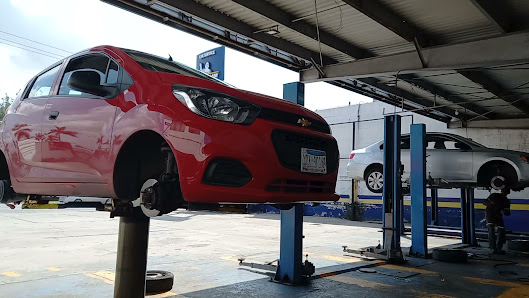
(451, 158)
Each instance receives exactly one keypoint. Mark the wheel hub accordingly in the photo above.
(498, 182)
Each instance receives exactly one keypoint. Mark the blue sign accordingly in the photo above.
(212, 62)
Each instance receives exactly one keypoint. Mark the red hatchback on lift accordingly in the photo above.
(117, 123)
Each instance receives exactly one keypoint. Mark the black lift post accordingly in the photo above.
(131, 261)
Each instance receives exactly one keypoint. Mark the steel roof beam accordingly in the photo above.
(500, 123)
(194, 9)
(495, 12)
(473, 54)
(391, 20)
(495, 88)
(449, 96)
(427, 104)
(282, 17)
(373, 84)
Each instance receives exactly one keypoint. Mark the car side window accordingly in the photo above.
(107, 69)
(43, 83)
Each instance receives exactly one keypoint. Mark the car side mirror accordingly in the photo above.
(89, 81)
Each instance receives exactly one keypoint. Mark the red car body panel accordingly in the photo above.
(75, 154)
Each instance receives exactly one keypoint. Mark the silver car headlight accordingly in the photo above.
(218, 106)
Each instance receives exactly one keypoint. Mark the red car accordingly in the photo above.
(117, 123)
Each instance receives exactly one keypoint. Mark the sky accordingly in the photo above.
(71, 26)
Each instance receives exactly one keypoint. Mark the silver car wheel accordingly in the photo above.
(375, 180)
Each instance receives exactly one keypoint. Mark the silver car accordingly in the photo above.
(450, 158)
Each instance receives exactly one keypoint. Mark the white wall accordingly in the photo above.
(369, 128)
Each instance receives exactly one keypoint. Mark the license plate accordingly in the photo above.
(313, 161)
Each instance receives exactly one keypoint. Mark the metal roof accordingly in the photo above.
(457, 61)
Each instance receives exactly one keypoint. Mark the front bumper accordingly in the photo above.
(197, 143)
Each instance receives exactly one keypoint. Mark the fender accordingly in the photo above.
(475, 175)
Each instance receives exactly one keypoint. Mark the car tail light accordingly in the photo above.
(525, 158)
(351, 155)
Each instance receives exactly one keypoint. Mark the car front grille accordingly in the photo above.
(288, 144)
(291, 118)
(299, 186)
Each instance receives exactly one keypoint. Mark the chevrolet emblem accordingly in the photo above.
(304, 122)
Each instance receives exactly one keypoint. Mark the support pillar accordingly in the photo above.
(290, 268)
(131, 261)
(419, 240)
(468, 230)
(392, 192)
(435, 206)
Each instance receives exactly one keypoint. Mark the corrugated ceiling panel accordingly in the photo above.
(450, 20)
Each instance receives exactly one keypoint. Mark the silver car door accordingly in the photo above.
(448, 159)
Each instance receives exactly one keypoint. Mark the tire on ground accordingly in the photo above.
(518, 244)
(450, 255)
(158, 281)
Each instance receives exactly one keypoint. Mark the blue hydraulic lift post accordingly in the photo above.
(419, 241)
(392, 192)
(397, 183)
(290, 268)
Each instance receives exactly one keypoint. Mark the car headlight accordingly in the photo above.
(216, 106)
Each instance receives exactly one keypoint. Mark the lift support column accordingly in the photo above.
(435, 206)
(131, 261)
(392, 190)
(290, 268)
(468, 229)
(419, 243)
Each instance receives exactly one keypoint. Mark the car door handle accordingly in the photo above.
(53, 115)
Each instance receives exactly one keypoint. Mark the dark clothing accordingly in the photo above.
(496, 244)
(496, 204)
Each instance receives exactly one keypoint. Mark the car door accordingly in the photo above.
(22, 127)
(448, 158)
(77, 127)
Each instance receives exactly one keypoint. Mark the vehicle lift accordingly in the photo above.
(392, 198)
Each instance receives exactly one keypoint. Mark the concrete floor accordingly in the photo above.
(71, 253)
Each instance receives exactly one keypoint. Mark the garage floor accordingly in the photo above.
(65, 253)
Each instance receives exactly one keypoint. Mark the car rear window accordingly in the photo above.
(155, 63)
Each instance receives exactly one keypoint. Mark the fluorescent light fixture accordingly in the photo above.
(270, 31)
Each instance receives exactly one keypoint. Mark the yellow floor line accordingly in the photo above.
(412, 269)
(105, 276)
(11, 274)
(52, 268)
(515, 290)
(430, 295)
(342, 259)
(357, 281)
(166, 294)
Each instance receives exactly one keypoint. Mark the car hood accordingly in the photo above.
(256, 98)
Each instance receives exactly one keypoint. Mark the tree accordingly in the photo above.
(5, 102)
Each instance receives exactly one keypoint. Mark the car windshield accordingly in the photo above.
(159, 64)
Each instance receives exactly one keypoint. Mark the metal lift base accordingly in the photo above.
(308, 271)
(374, 252)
